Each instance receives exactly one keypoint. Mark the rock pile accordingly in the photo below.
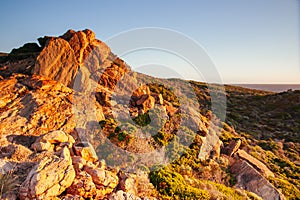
(72, 171)
(250, 173)
(248, 178)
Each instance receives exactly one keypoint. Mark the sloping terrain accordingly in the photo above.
(78, 123)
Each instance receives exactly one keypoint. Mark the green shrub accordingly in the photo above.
(228, 192)
(172, 184)
(163, 138)
(219, 191)
(122, 136)
(268, 145)
(107, 122)
(142, 120)
(226, 136)
(289, 190)
(117, 129)
(117, 134)
(166, 93)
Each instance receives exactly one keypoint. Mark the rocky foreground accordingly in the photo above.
(70, 108)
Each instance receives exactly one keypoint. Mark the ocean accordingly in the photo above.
(271, 87)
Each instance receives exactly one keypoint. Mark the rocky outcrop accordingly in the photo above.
(146, 102)
(81, 175)
(92, 180)
(48, 141)
(141, 101)
(42, 105)
(27, 105)
(251, 173)
(59, 58)
(87, 48)
(49, 178)
(262, 168)
(27, 48)
(34, 105)
(248, 178)
(115, 69)
(57, 61)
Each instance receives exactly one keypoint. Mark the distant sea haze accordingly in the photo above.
(271, 87)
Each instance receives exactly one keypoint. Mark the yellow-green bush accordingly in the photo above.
(289, 190)
(166, 93)
(142, 120)
(172, 184)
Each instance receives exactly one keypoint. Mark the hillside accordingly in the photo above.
(77, 123)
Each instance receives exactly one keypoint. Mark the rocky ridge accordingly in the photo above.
(54, 96)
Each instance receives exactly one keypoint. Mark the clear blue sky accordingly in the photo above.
(250, 41)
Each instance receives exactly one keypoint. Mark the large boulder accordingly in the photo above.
(57, 61)
(262, 168)
(49, 178)
(248, 178)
